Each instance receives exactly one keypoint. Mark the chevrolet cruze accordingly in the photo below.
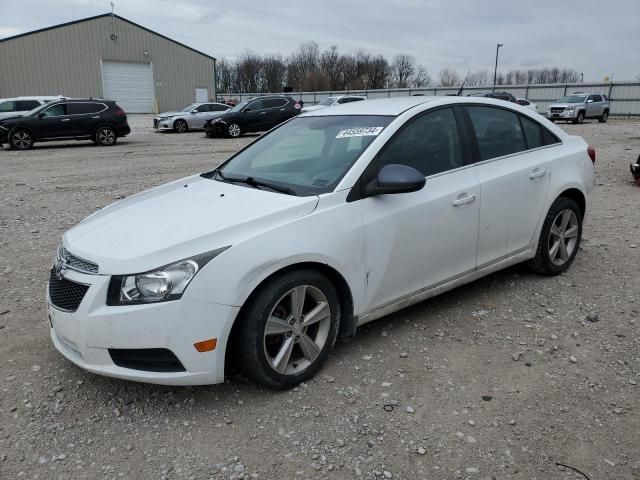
(331, 220)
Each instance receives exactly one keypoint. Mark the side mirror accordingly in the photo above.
(395, 178)
(194, 111)
(246, 110)
(40, 115)
(590, 100)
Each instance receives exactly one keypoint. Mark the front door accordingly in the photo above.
(255, 116)
(514, 171)
(54, 122)
(418, 240)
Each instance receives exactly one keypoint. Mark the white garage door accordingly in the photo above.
(129, 84)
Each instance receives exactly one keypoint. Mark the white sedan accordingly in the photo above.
(527, 103)
(328, 221)
(333, 101)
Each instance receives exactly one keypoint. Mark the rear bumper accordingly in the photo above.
(123, 130)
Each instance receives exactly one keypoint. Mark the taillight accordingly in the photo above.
(298, 106)
(592, 153)
(120, 113)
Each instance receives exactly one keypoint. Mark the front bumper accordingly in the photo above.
(562, 115)
(85, 336)
(215, 128)
(162, 124)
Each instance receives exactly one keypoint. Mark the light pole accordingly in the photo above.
(495, 71)
(582, 78)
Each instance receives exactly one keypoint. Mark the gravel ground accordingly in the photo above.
(499, 379)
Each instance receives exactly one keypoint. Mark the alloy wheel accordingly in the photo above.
(297, 330)
(563, 237)
(106, 136)
(181, 126)
(22, 140)
(234, 130)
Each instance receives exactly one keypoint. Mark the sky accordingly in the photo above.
(598, 38)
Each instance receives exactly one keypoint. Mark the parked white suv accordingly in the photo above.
(15, 107)
(332, 101)
(328, 221)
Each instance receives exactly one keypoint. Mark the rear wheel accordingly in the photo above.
(20, 139)
(106, 136)
(180, 126)
(559, 239)
(288, 329)
(604, 117)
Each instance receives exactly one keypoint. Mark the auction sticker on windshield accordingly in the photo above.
(360, 132)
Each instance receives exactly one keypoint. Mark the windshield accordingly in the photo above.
(328, 102)
(307, 155)
(572, 99)
(189, 107)
(238, 107)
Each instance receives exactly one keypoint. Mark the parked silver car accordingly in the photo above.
(578, 106)
(193, 116)
(18, 106)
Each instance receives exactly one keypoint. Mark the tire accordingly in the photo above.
(180, 126)
(552, 120)
(105, 136)
(284, 358)
(20, 139)
(604, 117)
(552, 260)
(234, 130)
(579, 118)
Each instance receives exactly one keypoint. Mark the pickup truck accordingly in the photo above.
(578, 106)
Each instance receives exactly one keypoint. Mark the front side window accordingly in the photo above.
(573, 99)
(308, 155)
(596, 98)
(8, 106)
(257, 105)
(497, 130)
(430, 143)
(56, 110)
(188, 108)
(204, 108)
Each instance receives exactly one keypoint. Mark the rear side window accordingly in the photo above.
(84, 108)
(536, 134)
(23, 105)
(219, 108)
(498, 131)
(275, 102)
(429, 143)
(9, 106)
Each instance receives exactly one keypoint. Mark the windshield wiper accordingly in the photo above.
(252, 182)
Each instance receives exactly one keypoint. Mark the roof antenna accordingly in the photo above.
(113, 36)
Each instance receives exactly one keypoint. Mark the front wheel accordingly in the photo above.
(20, 139)
(105, 137)
(604, 117)
(180, 126)
(288, 329)
(234, 130)
(579, 118)
(559, 239)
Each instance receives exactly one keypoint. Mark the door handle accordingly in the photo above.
(66, 120)
(263, 113)
(537, 173)
(97, 116)
(463, 199)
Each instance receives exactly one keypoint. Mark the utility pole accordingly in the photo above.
(582, 78)
(495, 71)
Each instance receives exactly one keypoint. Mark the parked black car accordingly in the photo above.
(506, 96)
(101, 121)
(255, 115)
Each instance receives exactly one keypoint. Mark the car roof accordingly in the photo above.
(380, 106)
(397, 105)
(33, 97)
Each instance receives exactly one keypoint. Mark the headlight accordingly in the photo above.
(569, 109)
(161, 285)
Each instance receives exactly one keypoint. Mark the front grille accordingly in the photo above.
(557, 109)
(77, 263)
(146, 359)
(64, 294)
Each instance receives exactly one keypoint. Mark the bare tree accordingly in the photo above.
(421, 78)
(403, 68)
(225, 73)
(274, 72)
(379, 72)
(248, 72)
(449, 78)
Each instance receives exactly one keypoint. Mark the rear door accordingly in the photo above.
(277, 112)
(86, 117)
(513, 166)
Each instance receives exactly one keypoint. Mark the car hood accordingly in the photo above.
(178, 220)
(563, 105)
(169, 114)
(11, 117)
